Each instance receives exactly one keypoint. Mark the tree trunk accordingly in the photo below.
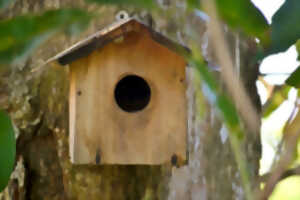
(38, 104)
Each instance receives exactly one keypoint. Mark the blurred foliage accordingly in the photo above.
(4, 3)
(21, 35)
(279, 95)
(291, 130)
(287, 189)
(7, 149)
(135, 3)
(286, 32)
(285, 29)
(191, 4)
(298, 49)
(242, 14)
(294, 79)
(217, 98)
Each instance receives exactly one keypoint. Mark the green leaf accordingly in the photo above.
(136, 3)
(21, 35)
(294, 79)
(215, 97)
(242, 14)
(278, 97)
(206, 75)
(7, 149)
(285, 26)
(229, 112)
(226, 108)
(231, 119)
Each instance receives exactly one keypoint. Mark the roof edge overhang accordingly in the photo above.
(99, 39)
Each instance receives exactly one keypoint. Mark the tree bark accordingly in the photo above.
(38, 104)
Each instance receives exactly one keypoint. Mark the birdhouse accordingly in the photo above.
(127, 102)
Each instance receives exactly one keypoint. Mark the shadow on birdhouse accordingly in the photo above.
(127, 97)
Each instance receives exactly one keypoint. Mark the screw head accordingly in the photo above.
(174, 160)
(98, 157)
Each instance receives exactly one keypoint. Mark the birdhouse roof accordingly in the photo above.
(113, 32)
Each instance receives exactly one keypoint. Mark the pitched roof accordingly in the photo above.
(101, 38)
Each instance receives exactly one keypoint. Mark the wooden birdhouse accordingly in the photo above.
(127, 97)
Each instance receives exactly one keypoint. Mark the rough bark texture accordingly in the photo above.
(38, 104)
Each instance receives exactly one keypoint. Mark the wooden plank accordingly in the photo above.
(101, 132)
(97, 40)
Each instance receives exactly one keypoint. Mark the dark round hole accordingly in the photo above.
(132, 93)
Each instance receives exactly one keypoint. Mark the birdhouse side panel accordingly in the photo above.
(82, 112)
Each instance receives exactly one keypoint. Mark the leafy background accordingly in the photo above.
(22, 35)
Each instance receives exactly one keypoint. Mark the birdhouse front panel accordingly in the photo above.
(128, 103)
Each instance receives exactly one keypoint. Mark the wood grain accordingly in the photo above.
(101, 131)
